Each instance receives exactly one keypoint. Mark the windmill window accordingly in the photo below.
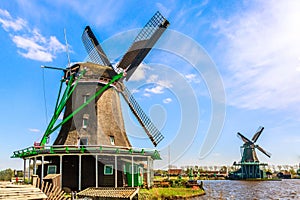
(112, 140)
(51, 169)
(85, 98)
(83, 141)
(85, 121)
(108, 169)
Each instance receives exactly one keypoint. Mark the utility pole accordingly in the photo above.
(169, 162)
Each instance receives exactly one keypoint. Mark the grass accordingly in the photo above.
(169, 193)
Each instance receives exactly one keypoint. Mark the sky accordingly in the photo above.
(222, 67)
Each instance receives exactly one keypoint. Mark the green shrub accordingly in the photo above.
(6, 175)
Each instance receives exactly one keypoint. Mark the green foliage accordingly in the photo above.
(5, 175)
(292, 171)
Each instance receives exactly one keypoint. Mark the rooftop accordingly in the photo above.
(109, 192)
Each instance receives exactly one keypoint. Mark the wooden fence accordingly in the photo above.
(53, 192)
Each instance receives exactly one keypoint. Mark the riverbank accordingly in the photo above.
(170, 193)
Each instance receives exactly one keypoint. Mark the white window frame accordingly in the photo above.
(112, 169)
(85, 98)
(112, 140)
(84, 123)
(49, 166)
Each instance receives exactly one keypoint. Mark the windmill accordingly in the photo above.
(92, 121)
(249, 162)
(108, 122)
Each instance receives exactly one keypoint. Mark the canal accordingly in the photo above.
(285, 189)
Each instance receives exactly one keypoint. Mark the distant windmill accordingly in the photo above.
(249, 146)
(249, 162)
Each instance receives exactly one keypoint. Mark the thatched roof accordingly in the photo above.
(108, 193)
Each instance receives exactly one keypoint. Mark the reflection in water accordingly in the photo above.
(285, 189)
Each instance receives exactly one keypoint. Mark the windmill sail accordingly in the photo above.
(141, 46)
(263, 151)
(143, 43)
(153, 133)
(249, 154)
(94, 49)
(246, 140)
(257, 134)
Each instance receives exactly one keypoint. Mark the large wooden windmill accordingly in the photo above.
(92, 148)
(105, 126)
(249, 163)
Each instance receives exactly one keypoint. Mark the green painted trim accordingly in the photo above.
(67, 94)
(50, 150)
(82, 149)
(59, 93)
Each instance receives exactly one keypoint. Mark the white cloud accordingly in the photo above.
(5, 13)
(36, 36)
(159, 87)
(167, 100)
(15, 25)
(31, 43)
(262, 46)
(147, 94)
(8, 22)
(55, 45)
(163, 9)
(30, 49)
(152, 78)
(192, 78)
(139, 73)
(26, 43)
(34, 130)
(165, 83)
(37, 55)
(155, 90)
(135, 91)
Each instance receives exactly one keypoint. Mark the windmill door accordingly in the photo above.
(137, 174)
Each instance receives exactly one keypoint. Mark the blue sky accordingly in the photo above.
(243, 56)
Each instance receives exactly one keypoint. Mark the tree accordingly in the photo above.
(223, 169)
(279, 167)
(196, 167)
(5, 175)
(292, 171)
(201, 169)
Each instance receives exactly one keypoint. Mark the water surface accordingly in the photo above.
(285, 189)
